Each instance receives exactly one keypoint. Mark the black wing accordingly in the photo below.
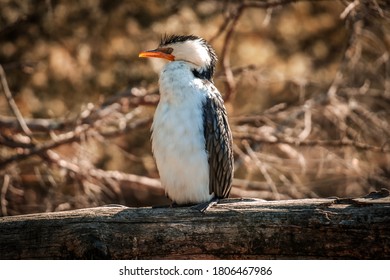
(219, 143)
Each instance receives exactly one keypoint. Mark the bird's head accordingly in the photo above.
(189, 48)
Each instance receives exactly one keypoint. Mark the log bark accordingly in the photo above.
(233, 229)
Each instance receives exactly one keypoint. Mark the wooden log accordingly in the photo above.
(234, 229)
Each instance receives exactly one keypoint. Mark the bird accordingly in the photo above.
(190, 134)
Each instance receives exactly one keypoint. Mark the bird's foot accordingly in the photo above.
(204, 206)
(201, 207)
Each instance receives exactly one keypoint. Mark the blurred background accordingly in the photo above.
(306, 85)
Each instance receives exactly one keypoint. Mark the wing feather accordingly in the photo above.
(219, 143)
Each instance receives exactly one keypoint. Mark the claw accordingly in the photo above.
(204, 206)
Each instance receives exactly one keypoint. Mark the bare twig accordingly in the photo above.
(262, 168)
(150, 183)
(349, 8)
(62, 139)
(3, 199)
(12, 103)
(316, 142)
(229, 26)
(35, 125)
(230, 84)
(135, 97)
(68, 137)
(308, 123)
(222, 27)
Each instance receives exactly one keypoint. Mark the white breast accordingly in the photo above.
(178, 136)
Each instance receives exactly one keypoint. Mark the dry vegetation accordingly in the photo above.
(306, 84)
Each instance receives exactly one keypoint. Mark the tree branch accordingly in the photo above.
(293, 229)
(12, 104)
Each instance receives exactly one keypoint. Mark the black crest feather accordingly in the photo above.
(172, 39)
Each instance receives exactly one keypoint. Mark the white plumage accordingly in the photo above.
(177, 139)
(190, 128)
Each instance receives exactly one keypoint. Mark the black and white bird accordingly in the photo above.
(191, 138)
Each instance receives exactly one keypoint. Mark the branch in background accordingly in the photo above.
(12, 104)
(89, 119)
(135, 97)
(35, 125)
(151, 184)
(228, 27)
(316, 142)
(230, 84)
(64, 138)
(263, 169)
(3, 193)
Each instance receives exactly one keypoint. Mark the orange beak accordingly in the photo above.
(159, 53)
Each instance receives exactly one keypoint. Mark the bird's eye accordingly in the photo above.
(168, 50)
